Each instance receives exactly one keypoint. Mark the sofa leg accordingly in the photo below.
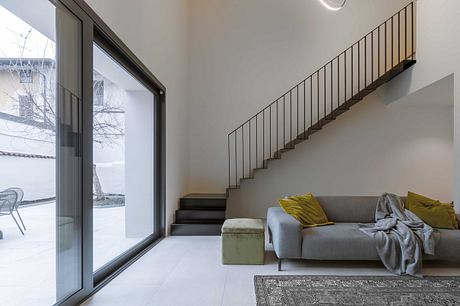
(279, 264)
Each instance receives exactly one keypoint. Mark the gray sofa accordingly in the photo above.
(343, 240)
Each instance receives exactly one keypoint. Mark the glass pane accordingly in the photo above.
(123, 134)
(41, 241)
(68, 153)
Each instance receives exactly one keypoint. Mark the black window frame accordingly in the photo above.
(95, 30)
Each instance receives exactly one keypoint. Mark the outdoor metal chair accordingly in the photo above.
(20, 194)
(8, 202)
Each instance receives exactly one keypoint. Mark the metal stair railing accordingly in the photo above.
(331, 90)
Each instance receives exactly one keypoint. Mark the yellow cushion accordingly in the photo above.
(306, 209)
(432, 212)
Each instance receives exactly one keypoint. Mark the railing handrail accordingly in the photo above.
(411, 4)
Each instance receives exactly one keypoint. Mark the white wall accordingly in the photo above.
(242, 57)
(26, 172)
(438, 48)
(157, 32)
(139, 149)
(371, 149)
(245, 54)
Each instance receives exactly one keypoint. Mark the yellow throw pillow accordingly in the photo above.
(306, 209)
(432, 212)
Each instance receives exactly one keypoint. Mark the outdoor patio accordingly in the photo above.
(27, 262)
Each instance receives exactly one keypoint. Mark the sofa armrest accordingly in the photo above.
(286, 233)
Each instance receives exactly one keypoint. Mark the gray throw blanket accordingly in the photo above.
(400, 236)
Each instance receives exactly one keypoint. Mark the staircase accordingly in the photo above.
(200, 215)
(330, 91)
(302, 111)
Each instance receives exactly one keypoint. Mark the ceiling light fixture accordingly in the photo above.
(333, 5)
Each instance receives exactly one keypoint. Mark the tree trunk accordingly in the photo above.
(97, 186)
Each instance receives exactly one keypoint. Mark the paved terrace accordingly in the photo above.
(27, 263)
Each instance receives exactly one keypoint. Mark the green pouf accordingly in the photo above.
(243, 242)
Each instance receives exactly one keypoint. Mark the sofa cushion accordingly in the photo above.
(432, 212)
(447, 245)
(341, 241)
(306, 209)
(359, 209)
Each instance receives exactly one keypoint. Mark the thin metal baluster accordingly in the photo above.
(352, 74)
(386, 48)
(277, 127)
(317, 98)
(332, 100)
(242, 147)
(284, 121)
(412, 30)
(345, 69)
(338, 80)
(304, 110)
(290, 116)
(250, 155)
(372, 56)
(263, 138)
(229, 158)
(311, 101)
(324, 94)
(236, 158)
(399, 37)
(257, 144)
(365, 62)
(297, 133)
(270, 126)
(392, 43)
(359, 66)
(378, 53)
(405, 32)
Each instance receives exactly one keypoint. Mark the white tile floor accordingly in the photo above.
(188, 271)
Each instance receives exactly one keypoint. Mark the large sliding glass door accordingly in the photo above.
(40, 185)
(81, 153)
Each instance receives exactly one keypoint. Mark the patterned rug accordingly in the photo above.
(356, 290)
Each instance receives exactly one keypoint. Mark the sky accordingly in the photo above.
(14, 43)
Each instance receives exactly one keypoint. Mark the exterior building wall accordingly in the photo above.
(10, 87)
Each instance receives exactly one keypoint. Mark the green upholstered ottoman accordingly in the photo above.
(243, 242)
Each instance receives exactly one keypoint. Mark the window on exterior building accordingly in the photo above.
(98, 92)
(25, 76)
(26, 107)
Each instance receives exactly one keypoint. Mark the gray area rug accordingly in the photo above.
(356, 290)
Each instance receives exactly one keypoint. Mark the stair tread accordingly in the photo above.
(203, 196)
(201, 221)
(201, 229)
(193, 210)
(204, 208)
(197, 224)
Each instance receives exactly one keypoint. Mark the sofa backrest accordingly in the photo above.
(354, 209)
